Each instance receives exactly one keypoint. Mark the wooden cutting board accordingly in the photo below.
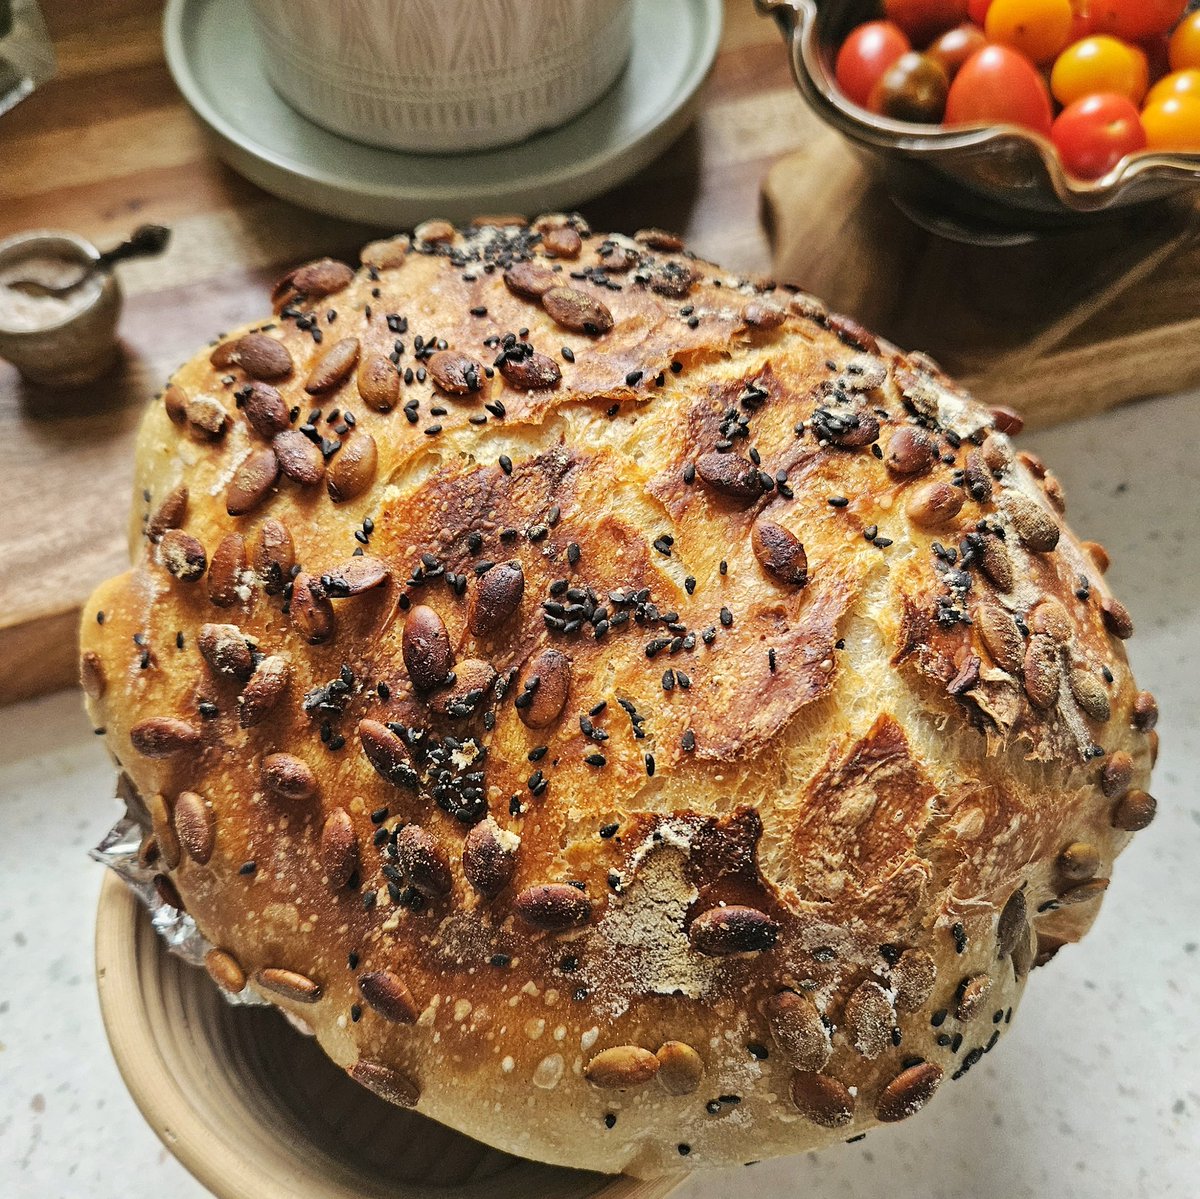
(1059, 327)
(109, 144)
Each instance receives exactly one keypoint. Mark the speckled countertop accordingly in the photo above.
(1094, 1095)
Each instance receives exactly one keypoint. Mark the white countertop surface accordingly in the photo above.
(1095, 1094)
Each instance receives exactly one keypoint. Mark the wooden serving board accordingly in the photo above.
(109, 144)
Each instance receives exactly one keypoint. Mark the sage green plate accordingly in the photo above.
(212, 52)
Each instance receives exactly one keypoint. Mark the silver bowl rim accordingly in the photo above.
(798, 19)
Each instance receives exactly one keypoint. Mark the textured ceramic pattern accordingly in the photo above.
(212, 51)
(442, 75)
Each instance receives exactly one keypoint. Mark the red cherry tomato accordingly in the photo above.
(952, 49)
(977, 11)
(1135, 19)
(1082, 23)
(865, 55)
(923, 20)
(1092, 135)
(999, 86)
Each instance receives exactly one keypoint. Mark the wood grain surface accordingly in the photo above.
(109, 144)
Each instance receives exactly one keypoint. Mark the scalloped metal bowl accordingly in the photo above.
(993, 176)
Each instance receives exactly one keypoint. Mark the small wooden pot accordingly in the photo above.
(255, 1110)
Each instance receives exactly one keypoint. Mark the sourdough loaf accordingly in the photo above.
(628, 712)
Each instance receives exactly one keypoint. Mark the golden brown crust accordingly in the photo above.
(688, 714)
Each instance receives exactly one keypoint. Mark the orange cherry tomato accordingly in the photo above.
(923, 20)
(1100, 64)
(1180, 83)
(1184, 48)
(1135, 19)
(1173, 124)
(953, 48)
(865, 55)
(1092, 135)
(999, 86)
(1039, 29)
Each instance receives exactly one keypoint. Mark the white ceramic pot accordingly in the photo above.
(442, 76)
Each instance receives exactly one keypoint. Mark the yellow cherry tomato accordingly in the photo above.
(1184, 50)
(1173, 124)
(1100, 64)
(1039, 29)
(1179, 83)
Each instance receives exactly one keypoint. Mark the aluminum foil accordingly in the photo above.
(119, 852)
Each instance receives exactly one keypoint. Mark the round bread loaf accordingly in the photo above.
(630, 713)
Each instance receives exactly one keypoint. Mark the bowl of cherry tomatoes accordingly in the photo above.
(1008, 115)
